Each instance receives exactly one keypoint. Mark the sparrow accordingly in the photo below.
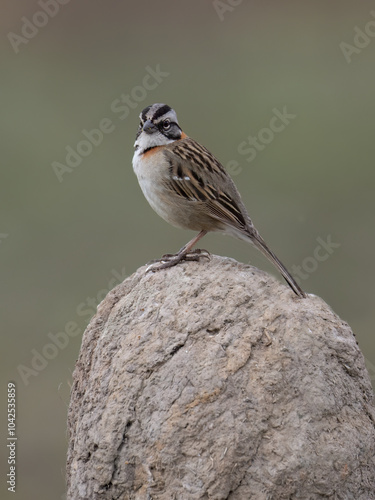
(189, 188)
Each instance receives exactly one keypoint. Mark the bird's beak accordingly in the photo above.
(149, 127)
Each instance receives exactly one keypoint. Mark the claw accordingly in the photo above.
(203, 253)
(170, 260)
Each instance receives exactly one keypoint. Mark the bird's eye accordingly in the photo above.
(166, 124)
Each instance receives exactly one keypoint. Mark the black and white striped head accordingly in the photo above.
(158, 126)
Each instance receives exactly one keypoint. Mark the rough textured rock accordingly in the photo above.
(214, 381)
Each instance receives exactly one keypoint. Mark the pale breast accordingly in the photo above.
(151, 173)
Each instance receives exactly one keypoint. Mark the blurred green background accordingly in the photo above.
(226, 66)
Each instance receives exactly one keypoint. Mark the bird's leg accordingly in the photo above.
(186, 253)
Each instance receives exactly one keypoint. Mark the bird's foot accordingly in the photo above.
(170, 260)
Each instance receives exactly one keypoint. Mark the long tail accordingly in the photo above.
(259, 242)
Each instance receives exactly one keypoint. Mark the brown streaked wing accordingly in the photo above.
(187, 159)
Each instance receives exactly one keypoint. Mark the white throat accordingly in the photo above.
(147, 141)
